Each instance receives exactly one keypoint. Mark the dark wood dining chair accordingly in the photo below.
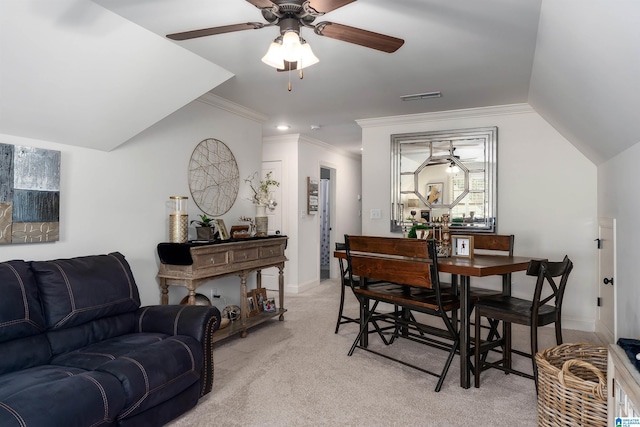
(493, 244)
(344, 284)
(352, 282)
(543, 309)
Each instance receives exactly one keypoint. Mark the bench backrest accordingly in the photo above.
(390, 259)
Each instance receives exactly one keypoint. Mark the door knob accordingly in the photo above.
(608, 281)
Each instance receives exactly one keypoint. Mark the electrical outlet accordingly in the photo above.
(375, 214)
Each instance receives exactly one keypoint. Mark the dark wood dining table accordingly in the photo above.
(462, 270)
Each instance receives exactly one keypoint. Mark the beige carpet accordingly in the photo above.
(297, 373)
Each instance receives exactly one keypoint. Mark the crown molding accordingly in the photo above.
(237, 109)
(329, 147)
(289, 138)
(466, 113)
(298, 138)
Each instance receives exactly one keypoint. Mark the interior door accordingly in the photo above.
(270, 275)
(605, 321)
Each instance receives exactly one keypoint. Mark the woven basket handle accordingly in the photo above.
(566, 370)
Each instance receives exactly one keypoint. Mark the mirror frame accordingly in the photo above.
(488, 136)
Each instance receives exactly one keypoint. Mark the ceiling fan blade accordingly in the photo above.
(354, 35)
(215, 30)
(328, 5)
(261, 3)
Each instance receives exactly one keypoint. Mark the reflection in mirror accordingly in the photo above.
(454, 172)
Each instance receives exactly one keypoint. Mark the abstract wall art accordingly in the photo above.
(29, 194)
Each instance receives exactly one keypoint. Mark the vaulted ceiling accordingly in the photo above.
(96, 73)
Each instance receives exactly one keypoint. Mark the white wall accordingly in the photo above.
(302, 157)
(546, 192)
(116, 201)
(618, 188)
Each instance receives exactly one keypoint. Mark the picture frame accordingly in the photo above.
(269, 305)
(222, 229)
(462, 246)
(434, 193)
(239, 231)
(251, 305)
(312, 196)
(259, 296)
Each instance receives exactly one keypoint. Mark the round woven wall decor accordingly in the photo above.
(214, 178)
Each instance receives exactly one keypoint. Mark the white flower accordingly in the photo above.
(261, 193)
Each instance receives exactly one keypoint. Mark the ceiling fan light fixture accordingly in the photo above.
(273, 57)
(307, 58)
(291, 46)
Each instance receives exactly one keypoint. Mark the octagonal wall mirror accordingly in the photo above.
(454, 172)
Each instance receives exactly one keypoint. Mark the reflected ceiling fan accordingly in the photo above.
(289, 51)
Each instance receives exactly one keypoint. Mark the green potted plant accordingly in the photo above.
(413, 233)
(205, 228)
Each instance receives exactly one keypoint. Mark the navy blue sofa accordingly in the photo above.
(76, 348)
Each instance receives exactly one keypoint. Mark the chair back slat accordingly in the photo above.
(552, 279)
(494, 242)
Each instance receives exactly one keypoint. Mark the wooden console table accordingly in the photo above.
(192, 264)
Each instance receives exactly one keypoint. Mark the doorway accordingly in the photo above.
(324, 209)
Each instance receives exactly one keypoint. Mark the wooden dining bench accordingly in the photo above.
(403, 272)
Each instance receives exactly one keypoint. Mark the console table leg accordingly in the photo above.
(164, 294)
(244, 307)
(281, 289)
(192, 296)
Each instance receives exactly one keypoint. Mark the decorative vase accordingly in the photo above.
(262, 222)
(178, 220)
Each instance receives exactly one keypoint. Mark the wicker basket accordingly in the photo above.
(572, 385)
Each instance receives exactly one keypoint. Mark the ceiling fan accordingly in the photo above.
(291, 15)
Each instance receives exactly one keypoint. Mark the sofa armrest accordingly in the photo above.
(194, 321)
(199, 322)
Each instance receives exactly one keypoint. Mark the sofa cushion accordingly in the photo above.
(81, 398)
(69, 339)
(78, 290)
(22, 343)
(14, 382)
(152, 368)
(95, 355)
(24, 353)
(20, 311)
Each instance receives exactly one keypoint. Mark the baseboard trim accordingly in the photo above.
(302, 287)
(579, 325)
